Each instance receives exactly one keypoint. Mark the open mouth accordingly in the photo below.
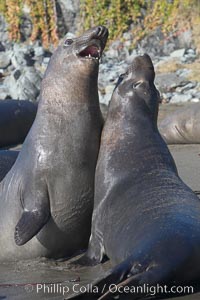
(92, 52)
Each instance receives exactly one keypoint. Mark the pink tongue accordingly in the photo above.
(92, 50)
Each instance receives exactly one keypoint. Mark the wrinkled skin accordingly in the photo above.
(47, 198)
(183, 126)
(16, 120)
(145, 219)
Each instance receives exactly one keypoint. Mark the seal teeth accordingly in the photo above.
(91, 52)
(91, 57)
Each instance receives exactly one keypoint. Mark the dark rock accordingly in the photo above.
(26, 27)
(17, 74)
(29, 59)
(47, 53)
(2, 48)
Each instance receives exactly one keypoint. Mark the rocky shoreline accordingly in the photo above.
(22, 66)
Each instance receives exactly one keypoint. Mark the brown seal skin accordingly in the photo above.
(182, 126)
(47, 197)
(145, 219)
(16, 119)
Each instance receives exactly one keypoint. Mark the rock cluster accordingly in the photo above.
(22, 66)
(21, 71)
(175, 87)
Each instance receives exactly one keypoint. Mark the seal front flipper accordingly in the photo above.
(36, 212)
(30, 223)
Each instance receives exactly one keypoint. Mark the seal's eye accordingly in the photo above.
(68, 42)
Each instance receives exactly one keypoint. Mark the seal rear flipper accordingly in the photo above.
(124, 275)
(111, 276)
(140, 281)
(30, 223)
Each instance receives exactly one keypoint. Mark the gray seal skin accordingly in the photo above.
(145, 219)
(183, 126)
(16, 119)
(47, 197)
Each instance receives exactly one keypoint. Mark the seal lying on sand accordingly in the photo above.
(49, 191)
(183, 126)
(16, 119)
(145, 219)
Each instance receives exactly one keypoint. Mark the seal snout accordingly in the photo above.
(102, 32)
(94, 43)
(142, 66)
(99, 32)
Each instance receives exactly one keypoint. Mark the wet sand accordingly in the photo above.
(35, 280)
(187, 159)
(18, 281)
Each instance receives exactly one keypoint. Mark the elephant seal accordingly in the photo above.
(145, 219)
(16, 119)
(182, 126)
(7, 160)
(47, 197)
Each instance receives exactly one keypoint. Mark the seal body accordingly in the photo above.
(182, 126)
(47, 197)
(145, 219)
(7, 160)
(16, 120)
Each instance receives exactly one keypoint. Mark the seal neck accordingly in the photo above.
(60, 94)
(137, 113)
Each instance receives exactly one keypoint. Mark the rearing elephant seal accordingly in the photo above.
(48, 194)
(145, 219)
(182, 126)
